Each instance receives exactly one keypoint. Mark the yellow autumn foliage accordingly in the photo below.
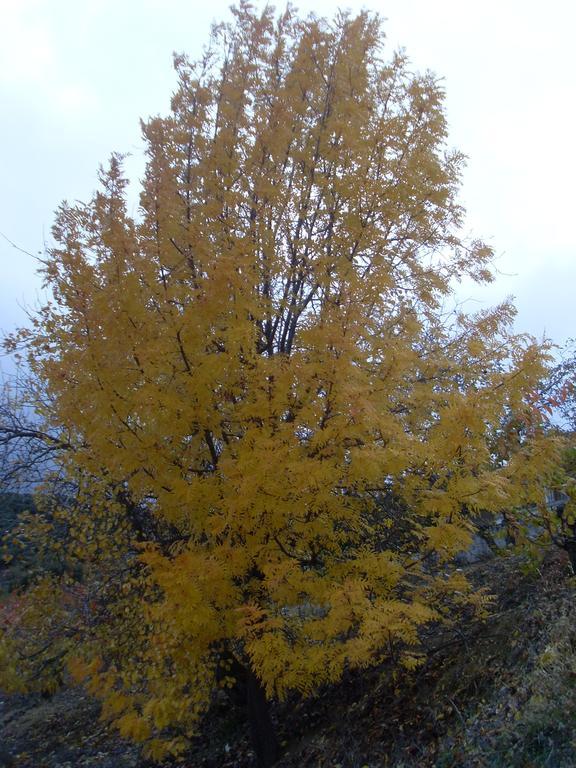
(262, 362)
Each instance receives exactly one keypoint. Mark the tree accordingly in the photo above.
(261, 365)
(557, 392)
(555, 400)
(26, 450)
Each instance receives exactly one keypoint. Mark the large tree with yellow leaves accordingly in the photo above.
(262, 367)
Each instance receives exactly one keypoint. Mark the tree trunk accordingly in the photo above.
(262, 729)
(570, 547)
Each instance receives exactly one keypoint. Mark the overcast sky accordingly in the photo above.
(75, 77)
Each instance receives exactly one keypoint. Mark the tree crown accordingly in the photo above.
(263, 363)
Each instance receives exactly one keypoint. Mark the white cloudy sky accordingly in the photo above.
(75, 77)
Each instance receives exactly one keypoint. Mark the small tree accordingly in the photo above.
(557, 391)
(262, 365)
(557, 402)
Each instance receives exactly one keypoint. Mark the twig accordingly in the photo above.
(22, 250)
(460, 717)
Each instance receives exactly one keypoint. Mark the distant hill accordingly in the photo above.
(16, 571)
(12, 505)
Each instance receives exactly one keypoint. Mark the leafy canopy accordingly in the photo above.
(262, 361)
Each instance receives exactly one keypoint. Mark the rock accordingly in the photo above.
(478, 550)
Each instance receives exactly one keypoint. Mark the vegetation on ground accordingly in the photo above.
(495, 693)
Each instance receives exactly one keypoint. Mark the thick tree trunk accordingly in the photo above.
(263, 734)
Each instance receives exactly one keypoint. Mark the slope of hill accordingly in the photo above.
(494, 694)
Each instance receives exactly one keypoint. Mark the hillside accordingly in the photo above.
(12, 505)
(496, 694)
